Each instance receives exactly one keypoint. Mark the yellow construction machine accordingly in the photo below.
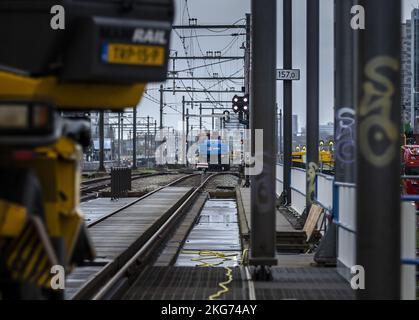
(60, 55)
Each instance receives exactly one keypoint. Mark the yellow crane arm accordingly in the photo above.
(69, 95)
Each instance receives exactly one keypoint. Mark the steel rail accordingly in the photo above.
(109, 268)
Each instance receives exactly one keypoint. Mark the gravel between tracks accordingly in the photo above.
(194, 181)
(152, 183)
(148, 184)
(221, 182)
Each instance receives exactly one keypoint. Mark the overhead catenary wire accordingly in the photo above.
(189, 39)
(212, 35)
(186, 53)
(186, 8)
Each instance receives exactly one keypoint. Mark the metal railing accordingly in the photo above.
(120, 181)
(339, 199)
(298, 189)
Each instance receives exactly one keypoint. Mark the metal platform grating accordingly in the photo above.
(189, 283)
(304, 284)
(185, 283)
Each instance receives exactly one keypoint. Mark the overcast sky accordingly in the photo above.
(230, 11)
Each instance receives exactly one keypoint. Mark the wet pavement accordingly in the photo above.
(215, 239)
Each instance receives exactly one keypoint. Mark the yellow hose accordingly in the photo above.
(208, 255)
(223, 285)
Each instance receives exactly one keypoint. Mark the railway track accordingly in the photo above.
(112, 278)
(171, 184)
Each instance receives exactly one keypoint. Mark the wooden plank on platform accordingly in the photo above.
(312, 219)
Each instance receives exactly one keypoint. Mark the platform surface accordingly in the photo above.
(304, 284)
(188, 283)
(185, 283)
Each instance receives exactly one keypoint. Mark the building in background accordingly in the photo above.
(294, 124)
(326, 131)
(94, 121)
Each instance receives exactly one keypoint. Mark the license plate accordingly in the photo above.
(116, 53)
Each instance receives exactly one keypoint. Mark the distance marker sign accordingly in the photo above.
(292, 74)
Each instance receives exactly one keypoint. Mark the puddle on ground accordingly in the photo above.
(215, 239)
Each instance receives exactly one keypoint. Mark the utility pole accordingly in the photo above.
(313, 34)
(155, 135)
(161, 123)
(200, 116)
(247, 83)
(102, 141)
(212, 113)
(247, 54)
(148, 142)
(287, 159)
(119, 138)
(134, 138)
(174, 72)
(263, 93)
(187, 136)
(280, 135)
(191, 138)
(378, 156)
(122, 133)
(184, 138)
(161, 106)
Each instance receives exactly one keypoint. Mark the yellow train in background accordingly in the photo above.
(326, 159)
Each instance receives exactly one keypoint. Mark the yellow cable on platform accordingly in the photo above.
(208, 255)
(223, 285)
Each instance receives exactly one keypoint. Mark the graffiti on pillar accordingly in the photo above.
(378, 132)
(345, 136)
(311, 181)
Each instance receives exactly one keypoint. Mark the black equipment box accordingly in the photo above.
(118, 41)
